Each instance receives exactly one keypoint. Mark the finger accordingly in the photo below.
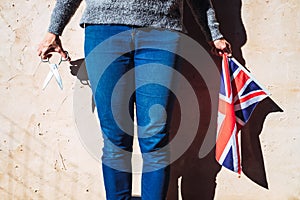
(65, 55)
(46, 52)
(60, 50)
(218, 51)
(228, 46)
(228, 51)
(42, 49)
(223, 46)
(39, 50)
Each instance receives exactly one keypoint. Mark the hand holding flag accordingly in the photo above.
(239, 94)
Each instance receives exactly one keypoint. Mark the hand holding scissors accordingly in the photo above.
(52, 43)
(54, 71)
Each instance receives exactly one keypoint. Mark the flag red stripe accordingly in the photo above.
(250, 96)
(226, 128)
(239, 82)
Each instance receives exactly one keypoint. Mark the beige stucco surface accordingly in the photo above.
(41, 155)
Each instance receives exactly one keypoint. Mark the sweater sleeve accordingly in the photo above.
(61, 15)
(204, 15)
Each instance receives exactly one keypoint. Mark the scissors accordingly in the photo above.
(54, 71)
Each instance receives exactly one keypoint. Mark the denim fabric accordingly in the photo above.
(135, 76)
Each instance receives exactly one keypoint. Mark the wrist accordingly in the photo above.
(51, 38)
(51, 35)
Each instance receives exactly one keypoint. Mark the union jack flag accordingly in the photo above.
(239, 94)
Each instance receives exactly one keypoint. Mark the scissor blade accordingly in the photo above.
(47, 79)
(54, 69)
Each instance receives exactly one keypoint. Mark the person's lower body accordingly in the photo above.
(127, 65)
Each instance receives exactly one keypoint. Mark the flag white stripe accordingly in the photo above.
(249, 102)
(234, 150)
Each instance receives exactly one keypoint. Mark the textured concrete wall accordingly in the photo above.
(41, 156)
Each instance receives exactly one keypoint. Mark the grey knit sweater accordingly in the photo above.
(145, 13)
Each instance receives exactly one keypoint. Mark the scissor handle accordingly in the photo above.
(45, 60)
(61, 58)
(64, 59)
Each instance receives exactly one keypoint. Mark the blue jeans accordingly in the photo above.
(130, 67)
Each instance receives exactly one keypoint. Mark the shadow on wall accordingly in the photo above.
(82, 76)
(198, 176)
